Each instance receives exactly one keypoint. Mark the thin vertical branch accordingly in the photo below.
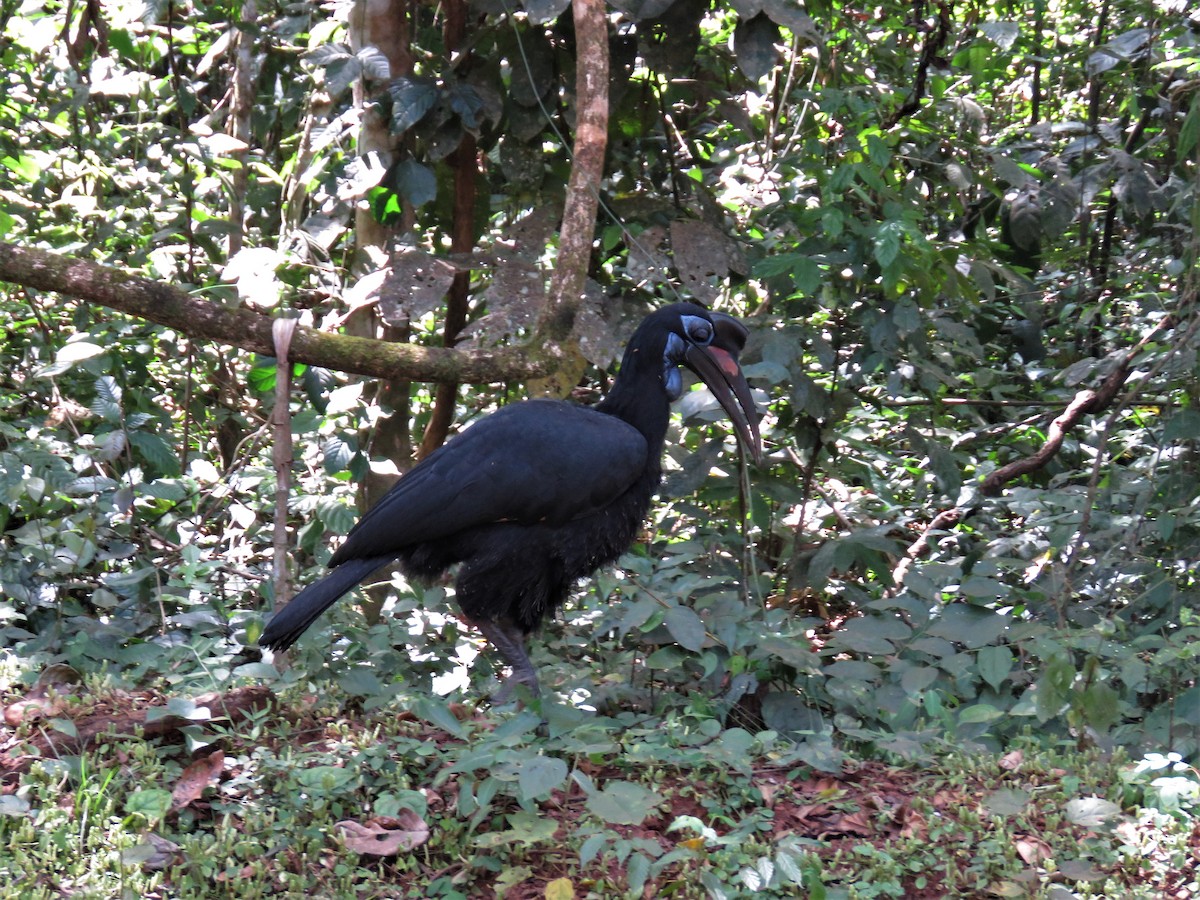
(241, 120)
(281, 456)
(587, 169)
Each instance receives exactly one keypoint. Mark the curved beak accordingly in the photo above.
(717, 365)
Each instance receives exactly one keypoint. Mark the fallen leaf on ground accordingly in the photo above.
(384, 835)
(195, 778)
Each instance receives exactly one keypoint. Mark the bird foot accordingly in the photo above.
(505, 694)
(510, 642)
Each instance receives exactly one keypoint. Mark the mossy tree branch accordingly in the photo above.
(201, 319)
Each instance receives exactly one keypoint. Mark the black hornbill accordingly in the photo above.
(539, 493)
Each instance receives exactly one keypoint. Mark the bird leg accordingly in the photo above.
(509, 640)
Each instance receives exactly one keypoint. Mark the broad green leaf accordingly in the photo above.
(1189, 131)
(978, 714)
(1002, 34)
(436, 712)
(685, 627)
(327, 779)
(969, 625)
(152, 804)
(790, 714)
(754, 43)
(888, 239)
(1054, 686)
(994, 664)
(540, 775)
(155, 450)
(591, 848)
(1091, 812)
(360, 682)
(1006, 802)
(872, 634)
(412, 98)
(525, 828)
(622, 803)
(1101, 706)
(416, 182)
(636, 872)
(918, 678)
(665, 658)
(77, 351)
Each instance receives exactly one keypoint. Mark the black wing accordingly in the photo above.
(535, 461)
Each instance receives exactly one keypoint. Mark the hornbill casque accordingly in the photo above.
(540, 493)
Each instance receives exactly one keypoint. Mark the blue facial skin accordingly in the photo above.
(700, 332)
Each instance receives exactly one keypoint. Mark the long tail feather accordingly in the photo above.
(295, 618)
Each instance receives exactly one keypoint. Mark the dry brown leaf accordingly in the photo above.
(246, 872)
(1033, 850)
(29, 709)
(912, 824)
(1012, 761)
(858, 824)
(811, 811)
(196, 777)
(384, 835)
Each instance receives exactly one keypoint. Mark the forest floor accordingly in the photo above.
(121, 794)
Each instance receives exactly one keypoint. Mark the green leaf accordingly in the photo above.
(156, 451)
(416, 182)
(591, 848)
(438, 713)
(665, 658)
(978, 714)
(13, 805)
(337, 452)
(1006, 802)
(994, 665)
(361, 682)
(686, 627)
(754, 44)
(23, 167)
(327, 779)
(918, 678)
(969, 625)
(887, 243)
(1185, 424)
(793, 652)
(152, 804)
(790, 714)
(1101, 706)
(636, 873)
(1189, 131)
(526, 828)
(412, 98)
(622, 803)
(1054, 687)
(873, 633)
(540, 775)
(1091, 812)
(1002, 34)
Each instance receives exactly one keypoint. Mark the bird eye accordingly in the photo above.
(699, 331)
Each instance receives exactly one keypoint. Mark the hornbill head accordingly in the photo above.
(708, 343)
